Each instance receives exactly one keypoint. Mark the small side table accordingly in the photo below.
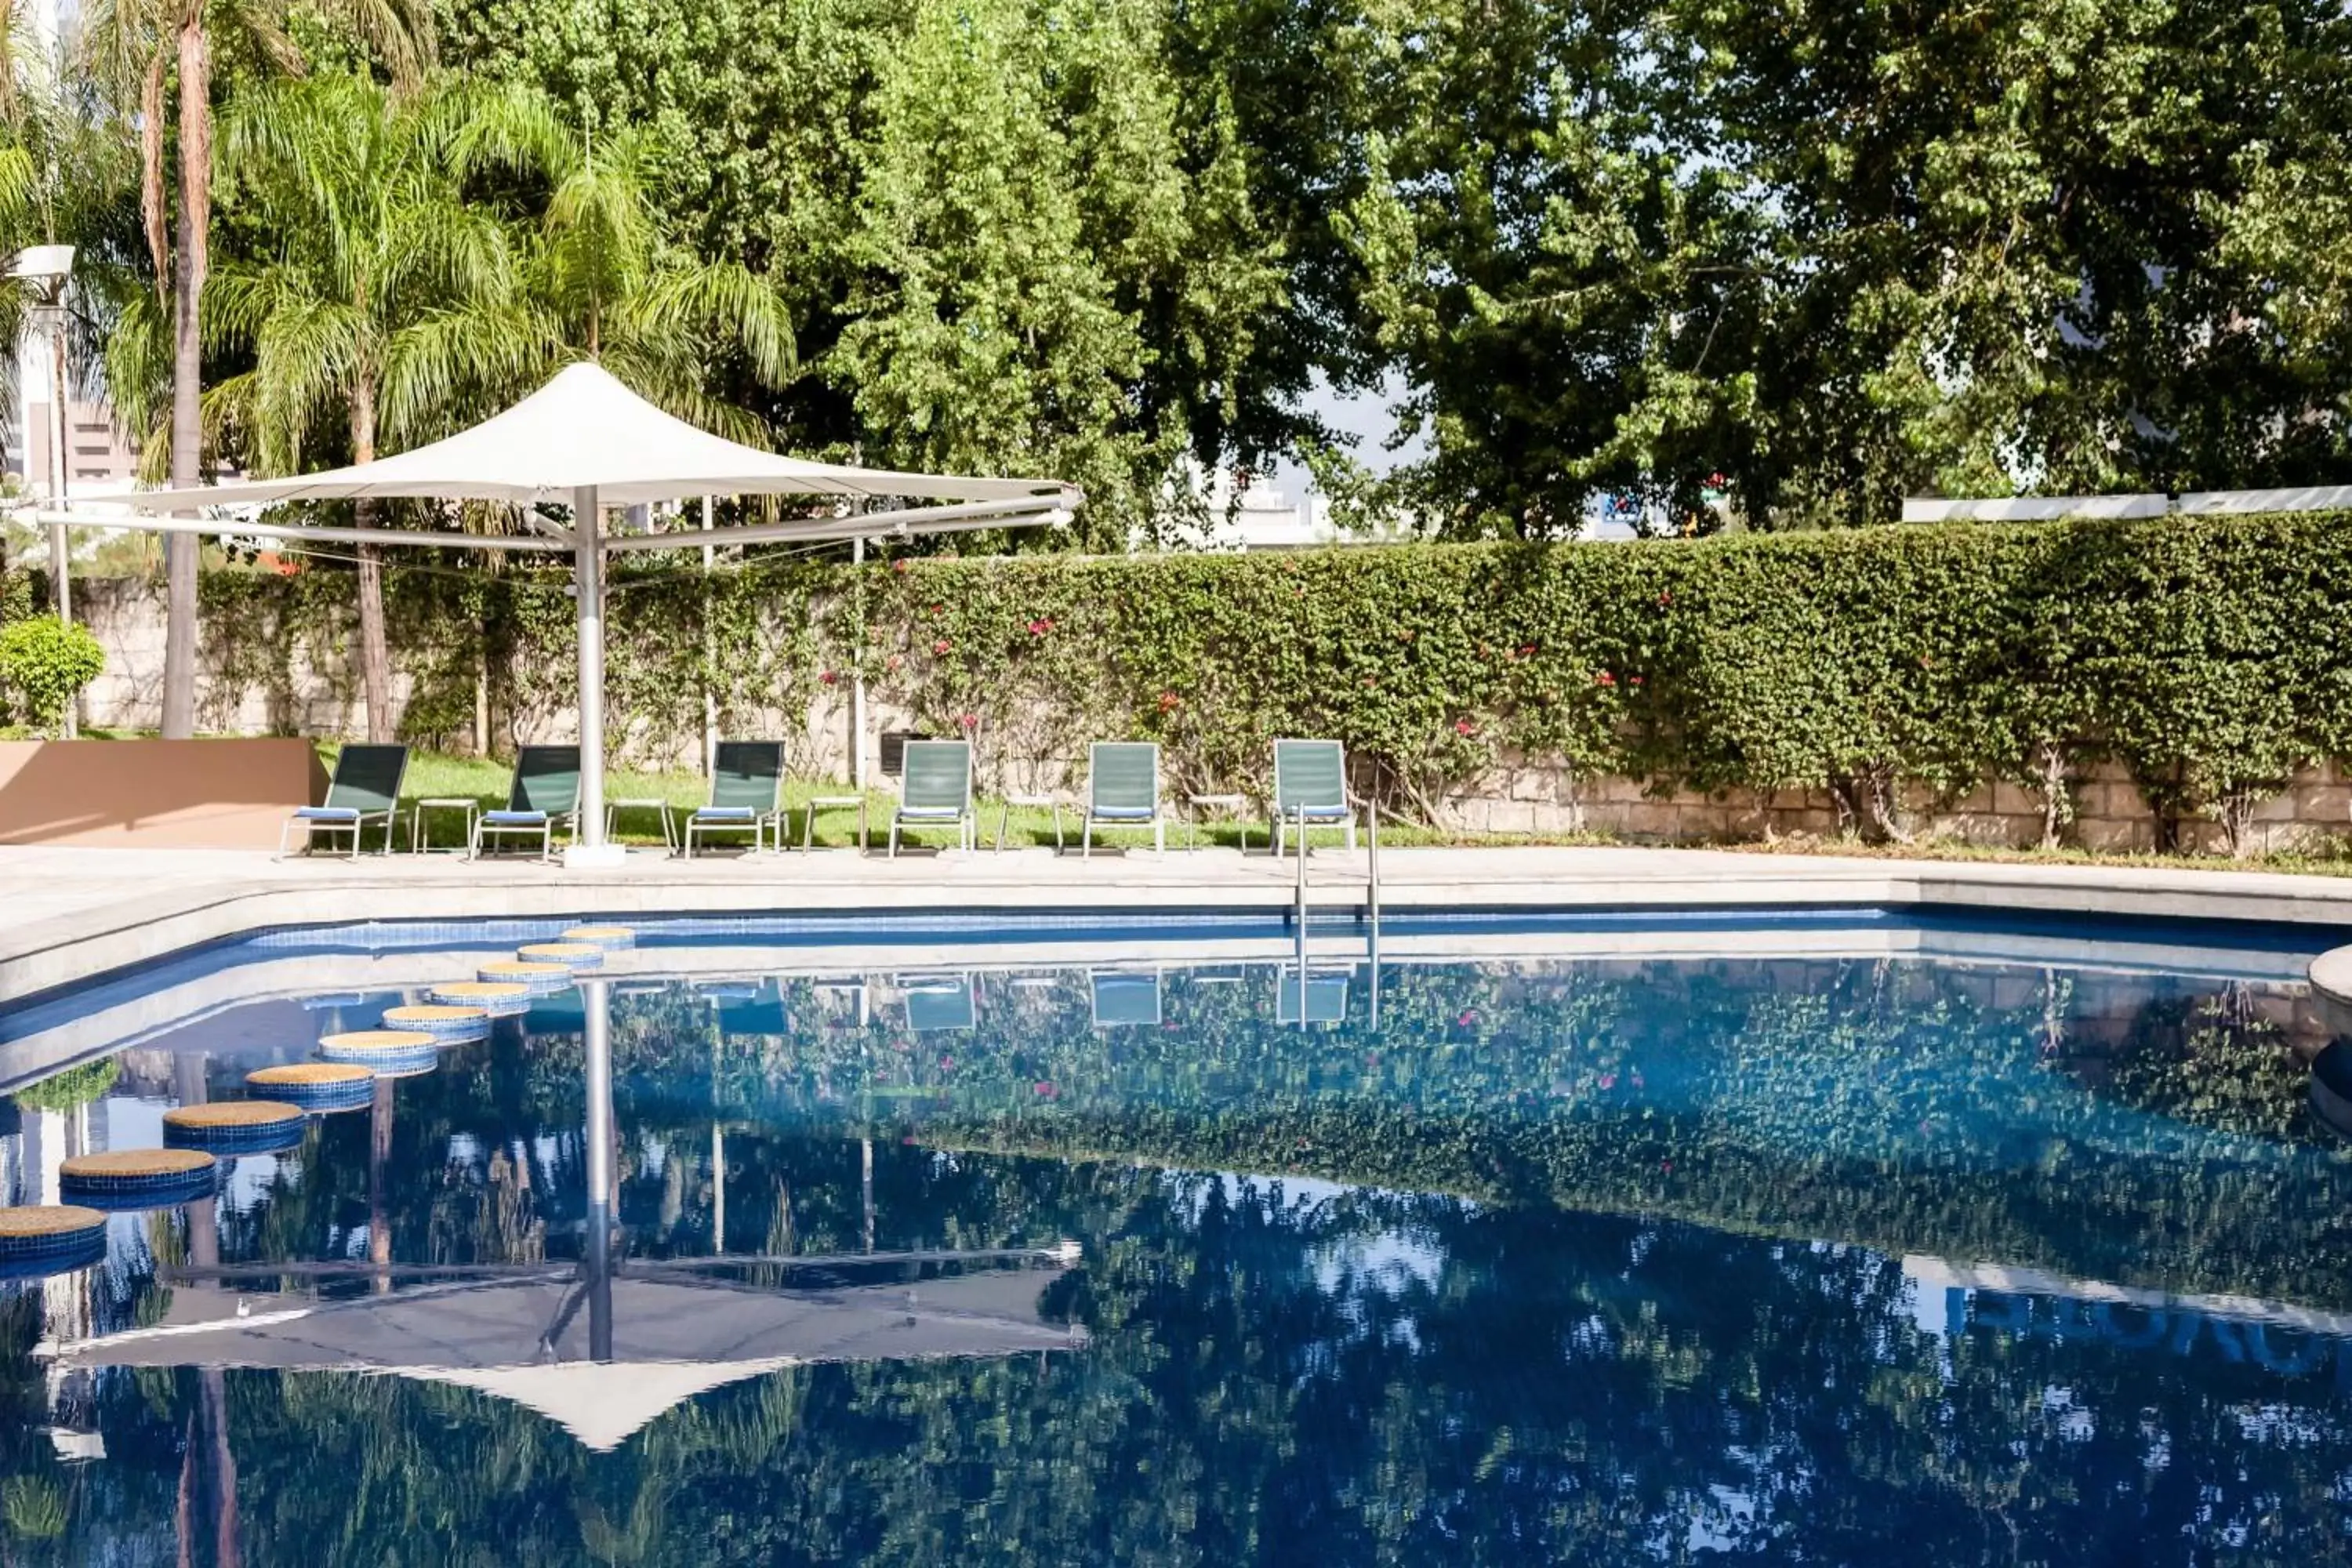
(832, 803)
(417, 841)
(643, 803)
(1004, 816)
(1234, 806)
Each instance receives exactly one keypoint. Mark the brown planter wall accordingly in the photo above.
(211, 795)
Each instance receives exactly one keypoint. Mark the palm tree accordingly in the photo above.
(376, 245)
(133, 47)
(599, 281)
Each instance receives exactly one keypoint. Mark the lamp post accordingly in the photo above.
(45, 269)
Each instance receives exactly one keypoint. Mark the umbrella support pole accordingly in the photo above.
(588, 584)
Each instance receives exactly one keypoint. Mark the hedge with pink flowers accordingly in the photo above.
(2212, 658)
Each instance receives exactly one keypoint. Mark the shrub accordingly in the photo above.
(2212, 658)
(44, 663)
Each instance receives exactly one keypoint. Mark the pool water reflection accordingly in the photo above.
(1858, 1260)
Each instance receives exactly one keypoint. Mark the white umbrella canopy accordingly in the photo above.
(514, 1339)
(584, 430)
(587, 441)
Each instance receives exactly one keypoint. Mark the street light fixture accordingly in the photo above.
(48, 270)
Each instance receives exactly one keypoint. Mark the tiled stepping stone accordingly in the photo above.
(239, 1126)
(138, 1178)
(49, 1238)
(442, 1020)
(543, 979)
(499, 1000)
(316, 1086)
(572, 954)
(390, 1053)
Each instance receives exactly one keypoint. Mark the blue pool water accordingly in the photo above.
(1848, 1238)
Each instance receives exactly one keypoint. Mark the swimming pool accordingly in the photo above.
(1845, 1237)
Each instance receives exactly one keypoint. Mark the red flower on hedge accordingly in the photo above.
(968, 721)
(1604, 678)
(1463, 727)
(1038, 628)
(901, 566)
(1634, 678)
(1169, 699)
(1046, 1089)
(828, 678)
(893, 662)
(941, 646)
(1529, 651)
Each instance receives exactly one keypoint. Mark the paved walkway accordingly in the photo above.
(67, 913)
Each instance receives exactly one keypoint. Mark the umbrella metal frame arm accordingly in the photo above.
(971, 517)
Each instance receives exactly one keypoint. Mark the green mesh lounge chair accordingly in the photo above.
(747, 788)
(366, 786)
(1123, 790)
(936, 791)
(545, 796)
(1310, 790)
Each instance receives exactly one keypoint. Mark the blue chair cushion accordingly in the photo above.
(327, 813)
(1318, 813)
(1126, 813)
(725, 814)
(515, 818)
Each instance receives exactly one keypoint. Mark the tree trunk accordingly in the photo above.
(180, 551)
(375, 659)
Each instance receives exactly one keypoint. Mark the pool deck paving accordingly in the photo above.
(69, 913)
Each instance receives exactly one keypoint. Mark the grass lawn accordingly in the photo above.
(443, 775)
(434, 773)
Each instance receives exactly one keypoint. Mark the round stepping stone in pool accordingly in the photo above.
(441, 1020)
(234, 1126)
(499, 1001)
(49, 1238)
(390, 1053)
(544, 979)
(609, 938)
(138, 1178)
(316, 1086)
(572, 954)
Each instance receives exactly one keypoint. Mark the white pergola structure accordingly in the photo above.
(585, 441)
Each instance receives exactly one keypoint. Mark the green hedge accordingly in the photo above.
(2208, 656)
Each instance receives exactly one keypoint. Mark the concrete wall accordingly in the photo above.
(316, 693)
(213, 795)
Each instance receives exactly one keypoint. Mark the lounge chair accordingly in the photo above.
(545, 796)
(1125, 997)
(1310, 790)
(366, 786)
(940, 1001)
(747, 786)
(1123, 790)
(936, 791)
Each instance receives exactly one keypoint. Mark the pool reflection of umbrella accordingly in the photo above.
(675, 1332)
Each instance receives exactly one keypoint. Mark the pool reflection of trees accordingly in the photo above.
(1341, 1377)
(1358, 1375)
(2130, 1129)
